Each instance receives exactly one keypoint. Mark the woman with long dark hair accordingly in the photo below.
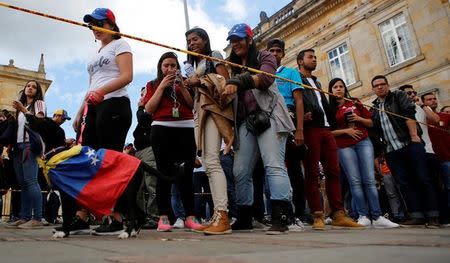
(257, 98)
(106, 109)
(211, 139)
(170, 103)
(356, 155)
(31, 102)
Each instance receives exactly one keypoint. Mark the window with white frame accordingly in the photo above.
(397, 40)
(341, 65)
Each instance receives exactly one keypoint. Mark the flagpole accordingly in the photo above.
(186, 15)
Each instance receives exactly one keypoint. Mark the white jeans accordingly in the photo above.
(211, 151)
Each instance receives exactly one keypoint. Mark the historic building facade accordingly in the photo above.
(408, 41)
(13, 79)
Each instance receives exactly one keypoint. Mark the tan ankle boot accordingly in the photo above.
(220, 224)
(341, 220)
(319, 222)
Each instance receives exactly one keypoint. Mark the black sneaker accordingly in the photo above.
(413, 222)
(108, 228)
(433, 222)
(277, 229)
(78, 227)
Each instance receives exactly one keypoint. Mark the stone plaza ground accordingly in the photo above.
(349, 246)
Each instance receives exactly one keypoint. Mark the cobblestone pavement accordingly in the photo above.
(368, 245)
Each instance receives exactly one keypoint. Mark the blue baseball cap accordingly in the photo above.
(240, 31)
(100, 14)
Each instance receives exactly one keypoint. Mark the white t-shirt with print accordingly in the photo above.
(103, 67)
(39, 107)
(200, 68)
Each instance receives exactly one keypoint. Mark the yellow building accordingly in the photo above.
(13, 80)
(408, 41)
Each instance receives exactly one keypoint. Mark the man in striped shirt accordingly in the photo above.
(405, 152)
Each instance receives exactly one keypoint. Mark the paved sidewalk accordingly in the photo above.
(369, 245)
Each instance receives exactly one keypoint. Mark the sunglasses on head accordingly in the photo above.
(97, 23)
(409, 92)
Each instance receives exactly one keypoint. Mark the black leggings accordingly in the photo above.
(171, 146)
(107, 124)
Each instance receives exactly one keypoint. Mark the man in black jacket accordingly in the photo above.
(405, 152)
(321, 146)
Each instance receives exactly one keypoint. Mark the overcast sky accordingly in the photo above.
(67, 47)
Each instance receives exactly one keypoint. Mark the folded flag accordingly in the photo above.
(95, 179)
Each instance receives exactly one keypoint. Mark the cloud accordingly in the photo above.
(26, 36)
(237, 9)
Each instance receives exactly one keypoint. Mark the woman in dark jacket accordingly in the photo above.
(256, 93)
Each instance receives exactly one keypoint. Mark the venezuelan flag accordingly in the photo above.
(95, 179)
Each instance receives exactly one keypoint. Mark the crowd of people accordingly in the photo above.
(247, 149)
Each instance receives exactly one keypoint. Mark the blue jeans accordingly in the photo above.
(271, 146)
(357, 161)
(26, 167)
(409, 168)
(445, 171)
(177, 205)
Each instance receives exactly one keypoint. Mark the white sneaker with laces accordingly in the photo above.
(297, 226)
(383, 222)
(363, 220)
(179, 223)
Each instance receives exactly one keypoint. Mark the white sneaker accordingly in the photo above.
(297, 226)
(363, 220)
(179, 223)
(45, 222)
(383, 222)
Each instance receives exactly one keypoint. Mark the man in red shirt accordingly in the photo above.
(440, 138)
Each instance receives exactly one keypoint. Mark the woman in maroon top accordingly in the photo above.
(172, 136)
(356, 155)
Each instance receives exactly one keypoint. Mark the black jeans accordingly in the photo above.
(107, 124)
(202, 195)
(410, 170)
(172, 146)
(293, 158)
(227, 160)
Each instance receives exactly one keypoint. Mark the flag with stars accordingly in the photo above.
(95, 179)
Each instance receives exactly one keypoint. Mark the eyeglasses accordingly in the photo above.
(381, 85)
(410, 92)
(97, 23)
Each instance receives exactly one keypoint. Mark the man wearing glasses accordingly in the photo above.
(405, 152)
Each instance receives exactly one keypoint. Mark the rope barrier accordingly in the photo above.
(257, 71)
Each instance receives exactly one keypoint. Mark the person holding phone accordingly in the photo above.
(31, 101)
(172, 137)
(356, 155)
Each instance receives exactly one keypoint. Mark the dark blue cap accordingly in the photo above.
(240, 31)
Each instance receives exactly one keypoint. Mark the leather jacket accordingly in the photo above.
(397, 102)
(311, 104)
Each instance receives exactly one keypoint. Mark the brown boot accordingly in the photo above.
(341, 220)
(319, 222)
(220, 224)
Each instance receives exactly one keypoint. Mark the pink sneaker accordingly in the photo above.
(193, 224)
(164, 224)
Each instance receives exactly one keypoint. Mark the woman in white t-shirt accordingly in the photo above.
(31, 102)
(106, 107)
